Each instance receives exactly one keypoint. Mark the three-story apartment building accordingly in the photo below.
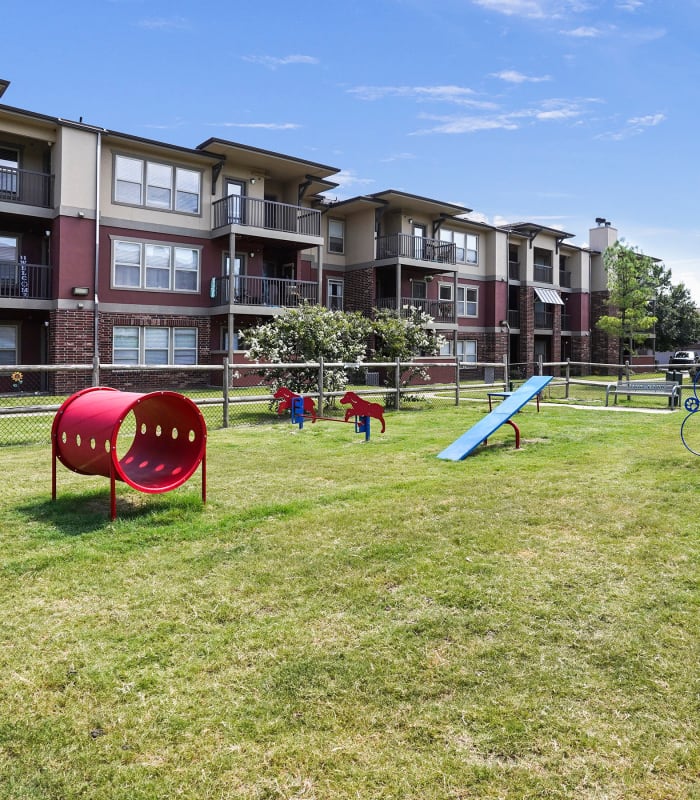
(136, 251)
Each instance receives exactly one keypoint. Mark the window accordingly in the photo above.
(8, 344)
(156, 185)
(159, 267)
(132, 344)
(335, 294)
(466, 350)
(445, 291)
(8, 261)
(467, 301)
(447, 347)
(336, 236)
(466, 244)
(543, 265)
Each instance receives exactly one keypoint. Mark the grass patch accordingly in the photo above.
(346, 619)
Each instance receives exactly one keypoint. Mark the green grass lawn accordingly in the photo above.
(349, 619)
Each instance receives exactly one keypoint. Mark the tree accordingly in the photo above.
(404, 337)
(678, 321)
(632, 282)
(309, 333)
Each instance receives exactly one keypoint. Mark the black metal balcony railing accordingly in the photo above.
(565, 279)
(544, 319)
(513, 317)
(566, 322)
(401, 245)
(25, 281)
(258, 291)
(439, 310)
(269, 214)
(514, 270)
(543, 273)
(23, 186)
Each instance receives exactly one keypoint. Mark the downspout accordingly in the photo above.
(96, 311)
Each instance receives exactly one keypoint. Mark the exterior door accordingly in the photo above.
(235, 191)
(419, 241)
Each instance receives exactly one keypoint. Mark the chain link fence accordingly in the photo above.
(242, 394)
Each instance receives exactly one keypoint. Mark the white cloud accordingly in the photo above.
(272, 62)
(584, 32)
(629, 5)
(533, 9)
(512, 76)
(633, 127)
(515, 8)
(447, 93)
(347, 182)
(270, 126)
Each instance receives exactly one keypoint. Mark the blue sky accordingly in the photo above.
(551, 111)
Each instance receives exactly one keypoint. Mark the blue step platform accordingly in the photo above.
(469, 441)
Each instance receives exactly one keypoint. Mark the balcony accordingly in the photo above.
(439, 310)
(565, 279)
(513, 318)
(258, 291)
(401, 245)
(543, 273)
(23, 186)
(514, 270)
(25, 281)
(544, 319)
(268, 214)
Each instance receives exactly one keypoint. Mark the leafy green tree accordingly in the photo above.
(632, 282)
(309, 333)
(404, 337)
(678, 321)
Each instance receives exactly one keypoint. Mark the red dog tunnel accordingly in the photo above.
(153, 442)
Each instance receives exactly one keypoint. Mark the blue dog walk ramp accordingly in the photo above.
(469, 441)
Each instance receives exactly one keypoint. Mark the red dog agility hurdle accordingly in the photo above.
(169, 439)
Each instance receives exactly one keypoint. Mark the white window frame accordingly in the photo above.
(445, 292)
(157, 185)
(336, 237)
(466, 244)
(447, 347)
(335, 300)
(145, 344)
(178, 268)
(9, 349)
(464, 302)
(467, 350)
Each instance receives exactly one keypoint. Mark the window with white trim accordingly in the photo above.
(155, 266)
(466, 350)
(466, 245)
(445, 292)
(467, 301)
(8, 344)
(447, 347)
(156, 185)
(336, 236)
(135, 344)
(335, 294)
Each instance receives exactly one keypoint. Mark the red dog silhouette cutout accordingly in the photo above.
(287, 395)
(362, 408)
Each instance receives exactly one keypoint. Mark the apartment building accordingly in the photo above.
(141, 252)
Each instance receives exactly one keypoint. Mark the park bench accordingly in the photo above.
(669, 389)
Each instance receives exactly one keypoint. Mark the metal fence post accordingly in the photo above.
(397, 374)
(506, 375)
(225, 387)
(568, 377)
(320, 384)
(457, 380)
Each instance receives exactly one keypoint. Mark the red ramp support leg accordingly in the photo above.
(169, 439)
